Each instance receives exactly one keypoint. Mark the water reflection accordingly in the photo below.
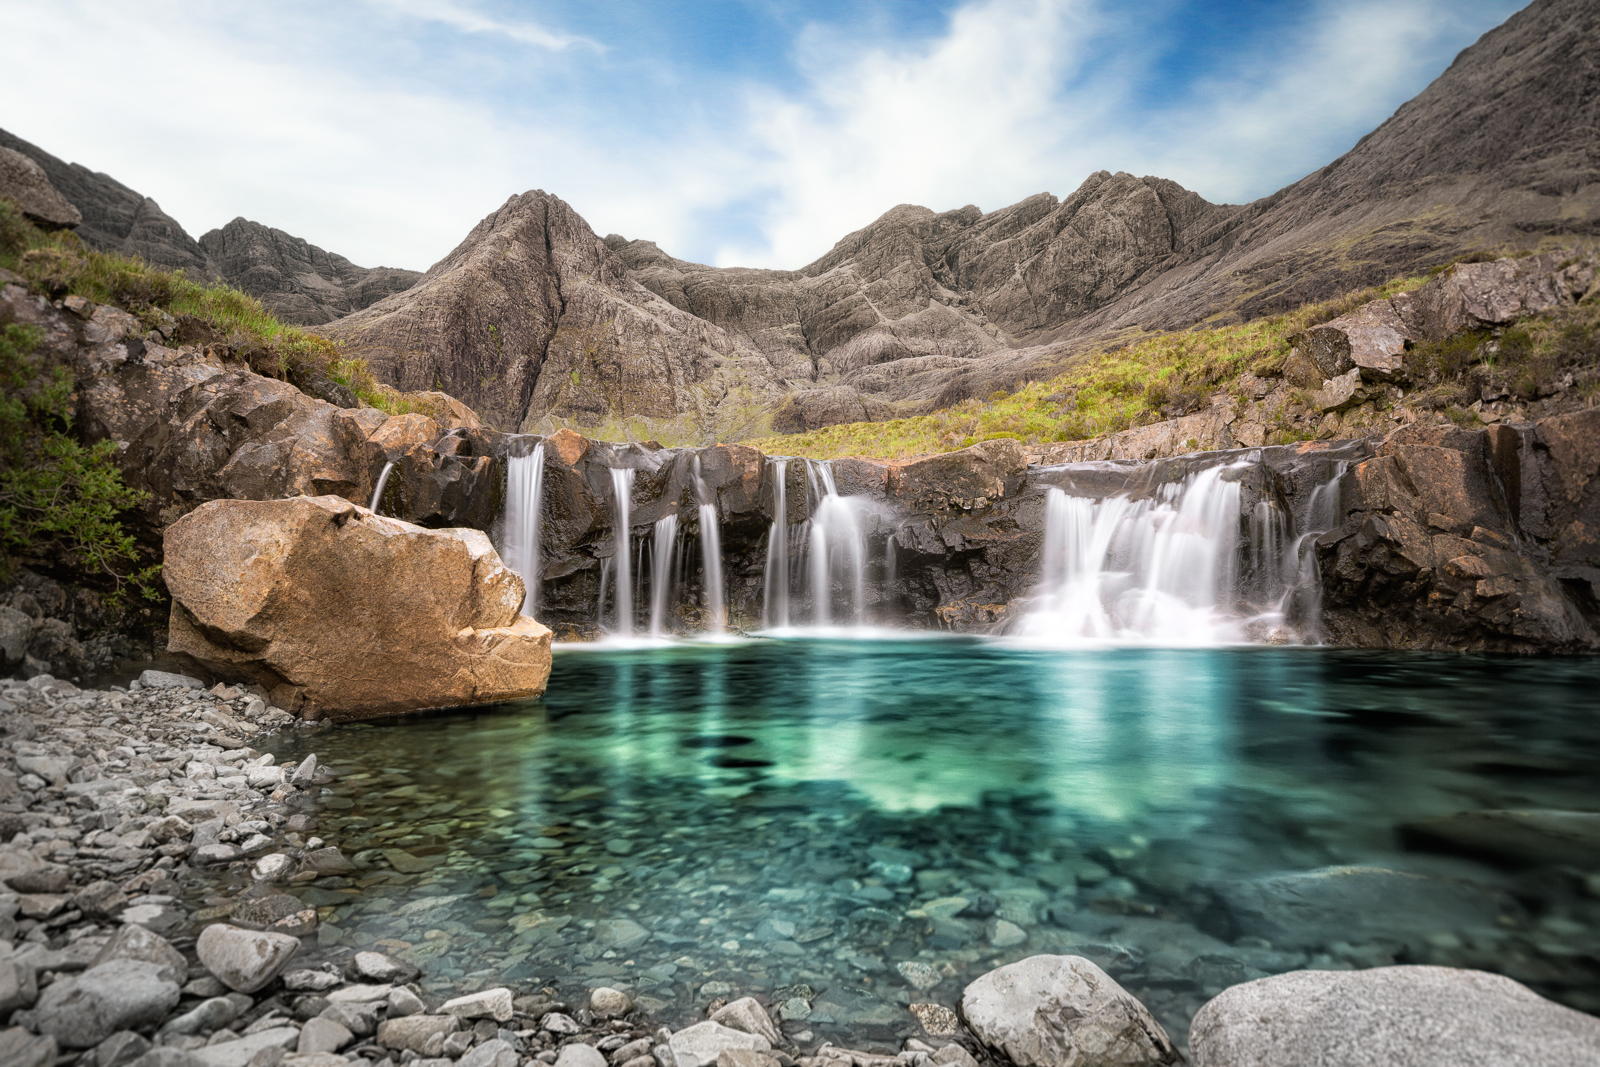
(784, 813)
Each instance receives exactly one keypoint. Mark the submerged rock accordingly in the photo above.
(333, 607)
(1056, 1011)
(1520, 837)
(1395, 1016)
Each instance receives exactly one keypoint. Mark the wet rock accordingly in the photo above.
(608, 1003)
(415, 1031)
(323, 1035)
(700, 1044)
(377, 967)
(935, 1019)
(83, 1010)
(621, 934)
(1396, 1016)
(1309, 909)
(493, 1004)
(244, 960)
(21, 1048)
(273, 867)
(258, 611)
(578, 1054)
(1518, 837)
(748, 1015)
(1047, 1010)
(242, 1051)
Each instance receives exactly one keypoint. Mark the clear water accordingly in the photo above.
(799, 818)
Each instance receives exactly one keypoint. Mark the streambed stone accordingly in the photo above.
(1046, 1011)
(244, 960)
(700, 1044)
(121, 994)
(1395, 1016)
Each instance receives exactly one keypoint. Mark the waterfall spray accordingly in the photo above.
(837, 551)
(622, 491)
(663, 553)
(377, 492)
(520, 529)
(775, 586)
(714, 606)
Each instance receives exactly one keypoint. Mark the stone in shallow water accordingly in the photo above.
(1395, 1016)
(1309, 909)
(699, 1045)
(1050, 1010)
(936, 1019)
(608, 1003)
(377, 967)
(122, 994)
(620, 934)
(244, 960)
(748, 1015)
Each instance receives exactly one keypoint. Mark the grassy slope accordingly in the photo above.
(1101, 392)
(58, 263)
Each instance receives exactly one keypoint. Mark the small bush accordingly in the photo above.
(62, 503)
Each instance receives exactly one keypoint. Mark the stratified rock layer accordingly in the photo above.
(357, 615)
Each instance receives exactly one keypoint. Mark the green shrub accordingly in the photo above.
(62, 503)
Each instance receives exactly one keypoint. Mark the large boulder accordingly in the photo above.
(1394, 1016)
(1063, 1011)
(350, 613)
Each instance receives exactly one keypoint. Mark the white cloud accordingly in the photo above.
(315, 118)
(465, 19)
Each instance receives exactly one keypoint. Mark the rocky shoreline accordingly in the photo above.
(112, 803)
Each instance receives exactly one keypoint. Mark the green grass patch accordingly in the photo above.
(1146, 380)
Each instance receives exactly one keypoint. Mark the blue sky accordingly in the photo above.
(752, 132)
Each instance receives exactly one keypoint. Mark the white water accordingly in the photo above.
(775, 584)
(622, 563)
(377, 492)
(519, 534)
(1179, 567)
(714, 604)
(1158, 570)
(836, 552)
(663, 583)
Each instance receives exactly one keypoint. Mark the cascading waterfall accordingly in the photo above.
(836, 551)
(714, 605)
(775, 584)
(622, 562)
(663, 572)
(1175, 568)
(377, 491)
(519, 536)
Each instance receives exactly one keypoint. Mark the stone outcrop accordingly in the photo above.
(1063, 1011)
(297, 281)
(25, 184)
(922, 308)
(328, 605)
(1470, 539)
(1396, 1016)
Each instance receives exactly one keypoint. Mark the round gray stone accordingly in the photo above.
(1395, 1016)
(120, 994)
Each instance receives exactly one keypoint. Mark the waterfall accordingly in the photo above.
(1182, 566)
(622, 563)
(1158, 570)
(377, 492)
(663, 553)
(714, 607)
(775, 584)
(519, 535)
(836, 551)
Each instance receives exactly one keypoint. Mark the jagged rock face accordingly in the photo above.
(115, 218)
(532, 315)
(1471, 539)
(356, 615)
(296, 280)
(190, 428)
(920, 309)
(25, 184)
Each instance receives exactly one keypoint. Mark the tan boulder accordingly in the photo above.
(334, 608)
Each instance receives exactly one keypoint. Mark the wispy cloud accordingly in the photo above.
(378, 132)
(465, 19)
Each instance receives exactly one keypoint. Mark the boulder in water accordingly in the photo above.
(1396, 1016)
(334, 608)
(1050, 1011)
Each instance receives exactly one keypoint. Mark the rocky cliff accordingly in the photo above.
(922, 308)
(297, 281)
